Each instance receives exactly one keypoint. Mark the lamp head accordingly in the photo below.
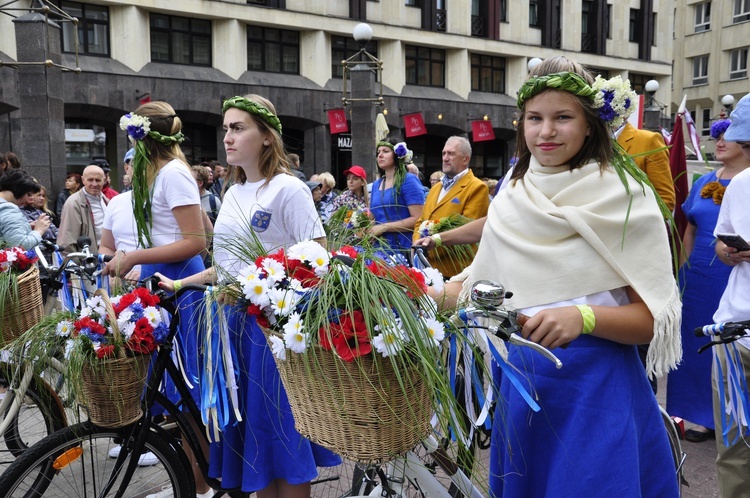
(533, 62)
(651, 86)
(727, 100)
(362, 33)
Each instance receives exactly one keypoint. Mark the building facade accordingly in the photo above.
(710, 59)
(453, 61)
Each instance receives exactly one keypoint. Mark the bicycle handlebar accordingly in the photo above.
(726, 332)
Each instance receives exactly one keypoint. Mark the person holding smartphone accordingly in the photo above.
(733, 460)
(702, 279)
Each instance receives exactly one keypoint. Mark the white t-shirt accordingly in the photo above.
(119, 219)
(174, 187)
(279, 214)
(733, 218)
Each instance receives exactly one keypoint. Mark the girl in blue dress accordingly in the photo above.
(590, 264)
(170, 231)
(396, 200)
(263, 453)
(702, 280)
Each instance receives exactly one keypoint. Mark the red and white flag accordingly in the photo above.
(482, 131)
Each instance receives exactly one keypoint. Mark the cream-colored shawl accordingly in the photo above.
(557, 234)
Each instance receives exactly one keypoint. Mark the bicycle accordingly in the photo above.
(31, 406)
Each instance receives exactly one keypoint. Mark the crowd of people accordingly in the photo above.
(576, 229)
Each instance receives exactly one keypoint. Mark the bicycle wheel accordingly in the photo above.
(75, 462)
(40, 414)
(674, 444)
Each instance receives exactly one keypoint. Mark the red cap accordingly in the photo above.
(357, 171)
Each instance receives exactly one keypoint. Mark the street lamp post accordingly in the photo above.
(728, 102)
(362, 68)
(652, 110)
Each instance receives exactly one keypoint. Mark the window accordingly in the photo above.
(700, 70)
(534, 13)
(638, 81)
(93, 28)
(272, 50)
(609, 21)
(633, 31)
(738, 63)
(702, 17)
(652, 33)
(741, 11)
(343, 47)
(180, 40)
(412, 3)
(706, 125)
(425, 66)
(487, 73)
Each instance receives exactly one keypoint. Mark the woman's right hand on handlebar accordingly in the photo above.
(554, 327)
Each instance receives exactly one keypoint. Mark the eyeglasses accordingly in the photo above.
(717, 140)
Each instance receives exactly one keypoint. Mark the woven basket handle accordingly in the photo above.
(112, 316)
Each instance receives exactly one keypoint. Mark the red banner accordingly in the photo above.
(337, 121)
(414, 125)
(482, 131)
(144, 99)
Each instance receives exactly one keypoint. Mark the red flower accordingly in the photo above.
(146, 297)
(88, 322)
(254, 310)
(348, 251)
(303, 273)
(142, 341)
(124, 302)
(106, 351)
(349, 337)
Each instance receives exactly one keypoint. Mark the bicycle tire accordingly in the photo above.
(675, 447)
(41, 414)
(74, 462)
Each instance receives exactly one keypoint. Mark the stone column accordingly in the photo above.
(42, 113)
(363, 117)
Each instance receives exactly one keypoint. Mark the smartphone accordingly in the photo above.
(734, 240)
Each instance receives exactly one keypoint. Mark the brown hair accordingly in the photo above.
(273, 159)
(596, 146)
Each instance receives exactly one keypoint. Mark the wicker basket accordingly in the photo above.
(359, 410)
(22, 311)
(111, 391)
(111, 388)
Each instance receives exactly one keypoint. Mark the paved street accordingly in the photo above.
(699, 465)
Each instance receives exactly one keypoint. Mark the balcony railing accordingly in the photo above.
(479, 26)
(440, 20)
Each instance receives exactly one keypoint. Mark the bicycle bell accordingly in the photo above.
(487, 293)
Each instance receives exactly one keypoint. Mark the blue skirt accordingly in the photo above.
(265, 446)
(599, 431)
(189, 307)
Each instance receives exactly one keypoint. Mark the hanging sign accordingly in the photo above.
(414, 125)
(337, 121)
(482, 131)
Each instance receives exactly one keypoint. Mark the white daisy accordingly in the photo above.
(153, 314)
(294, 324)
(125, 316)
(282, 301)
(127, 330)
(277, 347)
(387, 343)
(296, 341)
(434, 278)
(64, 328)
(435, 329)
(274, 270)
(257, 293)
(248, 274)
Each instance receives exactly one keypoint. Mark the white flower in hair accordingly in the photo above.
(614, 100)
(136, 126)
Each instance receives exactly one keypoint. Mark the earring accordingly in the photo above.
(266, 143)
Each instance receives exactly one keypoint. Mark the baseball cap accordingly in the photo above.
(103, 164)
(129, 155)
(356, 171)
(739, 129)
(313, 185)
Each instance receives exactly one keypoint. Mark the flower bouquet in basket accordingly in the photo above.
(107, 346)
(20, 292)
(347, 226)
(358, 344)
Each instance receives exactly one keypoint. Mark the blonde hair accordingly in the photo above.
(327, 179)
(165, 121)
(273, 159)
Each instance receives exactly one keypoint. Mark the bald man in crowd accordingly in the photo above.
(83, 212)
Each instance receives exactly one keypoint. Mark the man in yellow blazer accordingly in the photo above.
(656, 165)
(459, 192)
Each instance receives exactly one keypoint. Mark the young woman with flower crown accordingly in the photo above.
(266, 205)
(169, 224)
(397, 198)
(578, 236)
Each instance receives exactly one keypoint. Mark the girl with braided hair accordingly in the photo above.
(397, 198)
(578, 236)
(263, 452)
(169, 226)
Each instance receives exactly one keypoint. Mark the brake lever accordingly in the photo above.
(520, 341)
